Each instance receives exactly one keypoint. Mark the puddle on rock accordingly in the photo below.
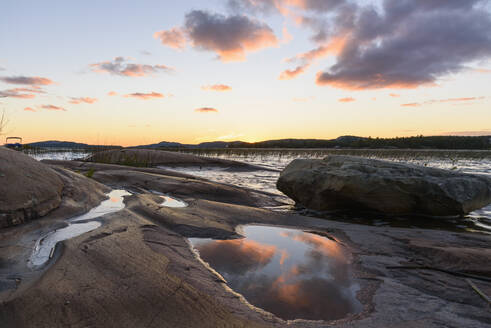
(290, 273)
(172, 202)
(76, 227)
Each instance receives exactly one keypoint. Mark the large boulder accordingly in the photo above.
(355, 183)
(30, 189)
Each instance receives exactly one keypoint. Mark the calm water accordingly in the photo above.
(266, 180)
(290, 273)
(474, 162)
(76, 227)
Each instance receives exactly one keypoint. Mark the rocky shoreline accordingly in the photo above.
(137, 269)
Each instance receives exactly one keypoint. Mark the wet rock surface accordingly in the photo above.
(348, 182)
(137, 269)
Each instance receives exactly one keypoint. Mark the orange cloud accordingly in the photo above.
(458, 99)
(112, 93)
(483, 70)
(173, 38)
(29, 109)
(411, 105)
(52, 107)
(22, 93)
(394, 95)
(216, 87)
(14, 93)
(345, 100)
(334, 47)
(365, 83)
(206, 110)
(144, 96)
(284, 257)
(449, 100)
(80, 100)
(290, 74)
(34, 80)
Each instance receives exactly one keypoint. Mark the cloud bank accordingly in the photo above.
(399, 44)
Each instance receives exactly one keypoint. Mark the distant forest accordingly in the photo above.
(419, 142)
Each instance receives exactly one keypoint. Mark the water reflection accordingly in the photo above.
(290, 273)
(172, 202)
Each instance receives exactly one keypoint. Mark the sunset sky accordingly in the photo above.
(140, 72)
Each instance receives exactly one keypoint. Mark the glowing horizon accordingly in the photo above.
(244, 70)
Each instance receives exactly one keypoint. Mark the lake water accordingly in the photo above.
(290, 273)
(474, 162)
(465, 162)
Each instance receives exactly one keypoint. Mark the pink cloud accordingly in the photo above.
(173, 38)
(29, 109)
(27, 80)
(13, 93)
(118, 66)
(144, 96)
(53, 107)
(206, 110)
(80, 100)
(216, 87)
(448, 100)
(411, 105)
(112, 93)
(347, 99)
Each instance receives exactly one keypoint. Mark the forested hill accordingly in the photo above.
(419, 142)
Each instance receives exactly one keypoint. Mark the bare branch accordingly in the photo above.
(3, 122)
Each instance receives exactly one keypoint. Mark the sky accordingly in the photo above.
(140, 72)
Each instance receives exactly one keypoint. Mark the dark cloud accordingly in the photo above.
(412, 43)
(118, 66)
(27, 80)
(231, 37)
(283, 6)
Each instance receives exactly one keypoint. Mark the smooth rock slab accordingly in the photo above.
(355, 183)
(28, 189)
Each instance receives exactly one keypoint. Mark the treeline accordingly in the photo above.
(418, 142)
